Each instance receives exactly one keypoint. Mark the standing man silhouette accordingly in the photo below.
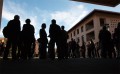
(83, 49)
(105, 40)
(28, 39)
(64, 49)
(117, 40)
(43, 42)
(54, 32)
(14, 29)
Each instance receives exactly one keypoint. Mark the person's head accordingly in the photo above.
(62, 27)
(27, 21)
(16, 17)
(71, 39)
(115, 30)
(43, 26)
(118, 25)
(53, 21)
(89, 42)
(104, 28)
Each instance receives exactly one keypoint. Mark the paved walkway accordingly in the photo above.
(69, 66)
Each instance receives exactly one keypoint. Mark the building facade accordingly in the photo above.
(1, 5)
(89, 27)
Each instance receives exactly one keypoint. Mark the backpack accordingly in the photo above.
(5, 32)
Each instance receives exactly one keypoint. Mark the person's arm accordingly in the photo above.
(49, 31)
(20, 26)
(99, 36)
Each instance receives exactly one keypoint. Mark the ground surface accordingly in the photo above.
(68, 66)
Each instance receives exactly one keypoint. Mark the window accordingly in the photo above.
(77, 31)
(102, 21)
(82, 29)
(89, 25)
(71, 35)
(90, 35)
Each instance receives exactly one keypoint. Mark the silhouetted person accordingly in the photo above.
(77, 51)
(97, 49)
(2, 48)
(43, 41)
(91, 49)
(105, 39)
(116, 37)
(20, 45)
(13, 37)
(33, 47)
(112, 49)
(28, 39)
(69, 50)
(83, 49)
(73, 48)
(64, 37)
(54, 34)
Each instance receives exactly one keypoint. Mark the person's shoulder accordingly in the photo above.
(51, 25)
(65, 31)
(107, 31)
(41, 29)
(57, 25)
(10, 21)
(31, 25)
(101, 31)
(24, 25)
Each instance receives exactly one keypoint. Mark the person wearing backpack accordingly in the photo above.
(13, 31)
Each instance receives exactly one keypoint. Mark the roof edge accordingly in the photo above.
(90, 14)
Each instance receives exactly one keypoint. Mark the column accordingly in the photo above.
(1, 5)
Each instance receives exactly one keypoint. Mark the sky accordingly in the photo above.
(66, 12)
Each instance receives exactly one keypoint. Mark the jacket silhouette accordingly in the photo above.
(13, 29)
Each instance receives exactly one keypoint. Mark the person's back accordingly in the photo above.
(93, 48)
(118, 32)
(43, 42)
(28, 39)
(14, 28)
(28, 31)
(43, 36)
(63, 38)
(92, 45)
(83, 49)
(105, 40)
(54, 30)
(115, 37)
(54, 34)
(64, 35)
(118, 40)
(104, 36)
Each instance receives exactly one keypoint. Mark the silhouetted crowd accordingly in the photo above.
(22, 42)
